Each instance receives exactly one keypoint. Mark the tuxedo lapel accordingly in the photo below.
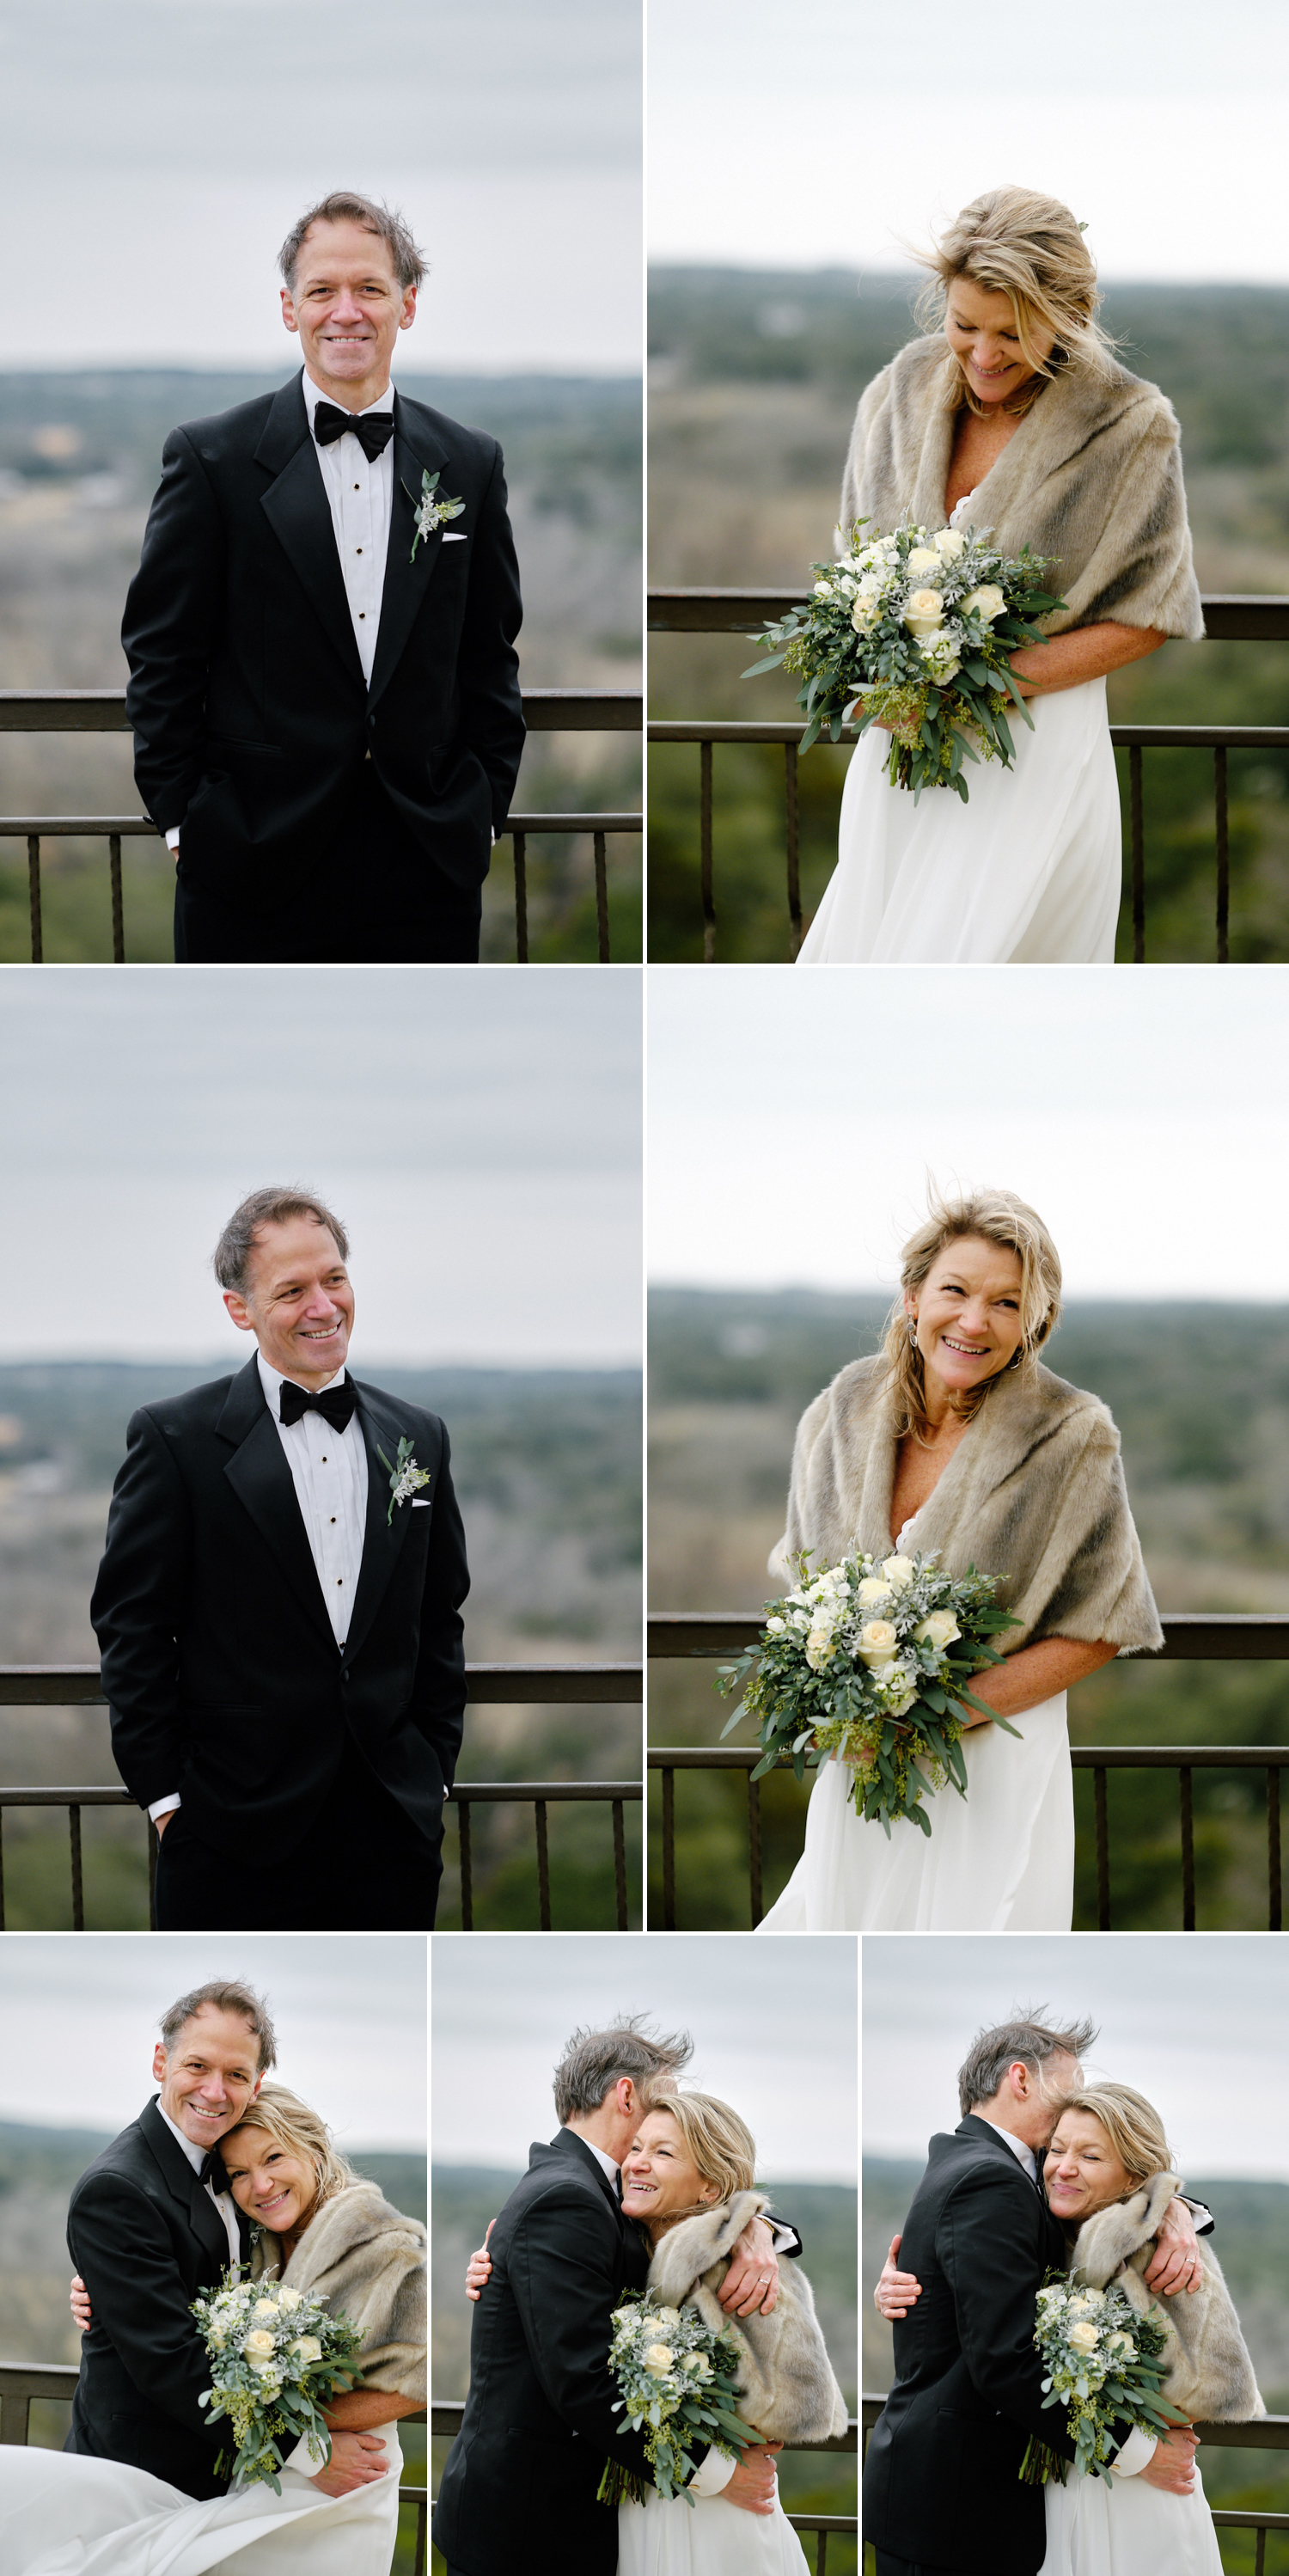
(298, 511)
(182, 2184)
(384, 1536)
(261, 1479)
(416, 451)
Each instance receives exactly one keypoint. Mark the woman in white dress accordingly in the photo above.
(321, 2228)
(1023, 424)
(956, 1441)
(1107, 2178)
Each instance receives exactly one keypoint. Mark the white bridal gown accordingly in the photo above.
(1121, 2527)
(1000, 1861)
(664, 2536)
(1027, 873)
(63, 2513)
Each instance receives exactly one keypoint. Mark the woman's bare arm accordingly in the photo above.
(1036, 1673)
(365, 2407)
(1085, 653)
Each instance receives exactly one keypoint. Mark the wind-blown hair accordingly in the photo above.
(719, 2143)
(988, 1216)
(293, 2125)
(345, 206)
(1025, 2040)
(226, 1995)
(1132, 2125)
(595, 2060)
(1018, 243)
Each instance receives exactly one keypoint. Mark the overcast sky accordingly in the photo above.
(1191, 2020)
(158, 151)
(784, 141)
(477, 1132)
(79, 2021)
(793, 1117)
(773, 2021)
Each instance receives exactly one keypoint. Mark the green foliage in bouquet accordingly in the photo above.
(869, 1660)
(1103, 2363)
(276, 2357)
(679, 2384)
(916, 629)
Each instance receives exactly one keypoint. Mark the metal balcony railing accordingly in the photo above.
(103, 711)
(1189, 1637)
(445, 2419)
(1228, 617)
(504, 1685)
(1264, 2433)
(20, 2383)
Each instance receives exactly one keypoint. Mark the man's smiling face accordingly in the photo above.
(297, 1302)
(210, 2074)
(348, 308)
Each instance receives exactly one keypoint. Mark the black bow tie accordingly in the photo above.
(211, 2165)
(335, 1403)
(372, 429)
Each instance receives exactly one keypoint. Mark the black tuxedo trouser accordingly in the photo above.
(888, 2566)
(375, 899)
(362, 1867)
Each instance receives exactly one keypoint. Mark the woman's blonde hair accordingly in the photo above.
(1028, 247)
(719, 2143)
(1132, 2125)
(291, 2124)
(989, 1216)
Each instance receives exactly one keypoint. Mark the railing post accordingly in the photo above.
(821, 2561)
(668, 1849)
(1223, 860)
(620, 1861)
(705, 850)
(422, 2519)
(15, 2419)
(118, 905)
(754, 1847)
(78, 1889)
(1260, 2552)
(601, 897)
(467, 1866)
(794, 866)
(1103, 1849)
(33, 890)
(543, 1867)
(520, 840)
(1138, 856)
(1273, 1848)
(1185, 1776)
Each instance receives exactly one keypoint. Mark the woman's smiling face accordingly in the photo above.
(273, 2186)
(968, 1313)
(980, 327)
(658, 2175)
(1081, 2171)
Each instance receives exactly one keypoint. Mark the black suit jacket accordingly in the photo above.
(941, 2483)
(219, 1662)
(147, 2240)
(247, 697)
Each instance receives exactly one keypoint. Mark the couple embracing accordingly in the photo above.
(221, 2168)
(643, 2186)
(1046, 2177)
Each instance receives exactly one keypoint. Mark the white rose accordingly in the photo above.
(941, 660)
(898, 1570)
(865, 611)
(258, 2349)
(666, 2318)
(877, 1642)
(819, 1648)
(872, 1590)
(1121, 2343)
(307, 2348)
(938, 1629)
(987, 603)
(1083, 2336)
(264, 2308)
(923, 611)
(217, 2336)
(823, 590)
(657, 2357)
(698, 2363)
(922, 559)
(949, 543)
(290, 2298)
(776, 1627)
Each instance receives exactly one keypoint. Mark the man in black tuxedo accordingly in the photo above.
(278, 1609)
(152, 2226)
(942, 2494)
(323, 681)
(519, 2485)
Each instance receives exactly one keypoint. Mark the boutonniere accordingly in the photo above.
(432, 509)
(404, 1476)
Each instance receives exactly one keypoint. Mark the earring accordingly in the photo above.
(913, 1332)
(1016, 1358)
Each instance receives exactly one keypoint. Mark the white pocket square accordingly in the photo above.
(450, 540)
(418, 1505)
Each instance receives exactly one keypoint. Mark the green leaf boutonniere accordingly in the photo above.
(432, 509)
(404, 1476)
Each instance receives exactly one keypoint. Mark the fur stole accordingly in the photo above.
(789, 2391)
(1033, 1494)
(1092, 475)
(368, 2262)
(1209, 2373)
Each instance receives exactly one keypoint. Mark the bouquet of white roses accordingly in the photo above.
(679, 2386)
(276, 2356)
(918, 629)
(870, 1661)
(1102, 2363)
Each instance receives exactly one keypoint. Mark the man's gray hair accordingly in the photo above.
(232, 1253)
(227, 1995)
(1026, 2040)
(345, 206)
(595, 2060)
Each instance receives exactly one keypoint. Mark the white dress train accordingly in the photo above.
(667, 2537)
(63, 2513)
(1121, 2527)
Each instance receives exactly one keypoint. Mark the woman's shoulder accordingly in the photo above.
(1085, 1415)
(354, 2217)
(1110, 400)
(692, 2247)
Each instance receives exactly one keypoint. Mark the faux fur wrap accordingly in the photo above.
(789, 2391)
(1209, 2372)
(1092, 475)
(1033, 1495)
(368, 2262)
